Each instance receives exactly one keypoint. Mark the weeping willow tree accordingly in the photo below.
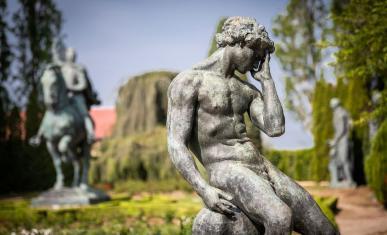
(361, 38)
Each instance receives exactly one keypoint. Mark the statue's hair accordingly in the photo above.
(240, 29)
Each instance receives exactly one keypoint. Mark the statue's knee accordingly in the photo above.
(208, 222)
(330, 230)
(326, 228)
(280, 220)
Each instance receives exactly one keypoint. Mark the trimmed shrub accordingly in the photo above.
(294, 163)
(376, 164)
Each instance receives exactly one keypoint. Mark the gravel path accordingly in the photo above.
(360, 213)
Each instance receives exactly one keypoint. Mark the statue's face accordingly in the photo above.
(249, 57)
(334, 102)
(70, 55)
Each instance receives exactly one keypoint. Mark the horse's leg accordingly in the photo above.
(85, 165)
(55, 155)
(76, 166)
(76, 172)
(65, 147)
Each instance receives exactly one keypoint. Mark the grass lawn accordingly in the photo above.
(127, 213)
(144, 213)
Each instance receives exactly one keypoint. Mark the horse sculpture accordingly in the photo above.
(63, 129)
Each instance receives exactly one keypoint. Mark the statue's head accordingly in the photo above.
(334, 102)
(70, 55)
(249, 40)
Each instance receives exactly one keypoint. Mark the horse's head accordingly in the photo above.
(54, 88)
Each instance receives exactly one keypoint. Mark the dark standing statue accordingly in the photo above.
(66, 127)
(341, 162)
(245, 194)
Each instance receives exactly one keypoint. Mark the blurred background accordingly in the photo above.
(133, 49)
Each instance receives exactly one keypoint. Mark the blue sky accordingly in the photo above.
(119, 39)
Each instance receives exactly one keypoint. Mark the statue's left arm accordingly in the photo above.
(81, 83)
(265, 110)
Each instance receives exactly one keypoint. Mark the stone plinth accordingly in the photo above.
(65, 197)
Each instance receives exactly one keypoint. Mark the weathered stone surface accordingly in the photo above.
(208, 222)
(64, 197)
(206, 107)
(142, 103)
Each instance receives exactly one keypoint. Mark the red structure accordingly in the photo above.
(104, 119)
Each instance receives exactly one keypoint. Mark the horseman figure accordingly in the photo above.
(67, 126)
(79, 86)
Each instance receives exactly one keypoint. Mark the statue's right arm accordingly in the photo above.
(182, 101)
(344, 127)
(182, 98)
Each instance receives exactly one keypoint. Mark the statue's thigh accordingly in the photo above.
(251, 192)
(307, 215)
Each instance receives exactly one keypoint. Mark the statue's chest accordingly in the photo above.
(218, 95)
(71, 75)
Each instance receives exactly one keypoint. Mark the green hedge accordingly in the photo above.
(322, 130)
(376, 164)
(24, 168)
(294, 163)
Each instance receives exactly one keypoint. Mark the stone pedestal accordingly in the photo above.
(208, 222)
(56, 198)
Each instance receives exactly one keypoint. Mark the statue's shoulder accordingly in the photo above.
(51, 69)
(79, 67)
(188, 78)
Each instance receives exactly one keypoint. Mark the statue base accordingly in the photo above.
(67, 197)
(214, 223)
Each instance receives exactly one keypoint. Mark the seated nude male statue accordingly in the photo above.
(205, 117)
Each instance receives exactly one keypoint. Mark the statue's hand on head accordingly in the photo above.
(262, 71)
(219, 201)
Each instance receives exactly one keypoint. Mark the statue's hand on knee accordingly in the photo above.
(219, 201)
(35, 141)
